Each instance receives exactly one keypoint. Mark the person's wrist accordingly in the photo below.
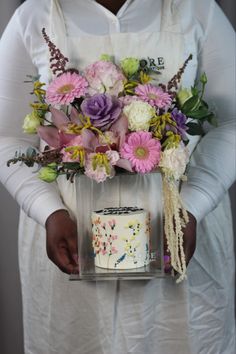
(60, 213)
(192, 218)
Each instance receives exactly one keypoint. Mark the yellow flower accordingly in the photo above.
(38, 106)
(144, 78)
(130, 86)
(158, 124)
(73, 128)
(38, 91)
(172, 140)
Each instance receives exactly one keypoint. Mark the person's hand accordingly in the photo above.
(189, 242)
(61, 241)
(190, 237)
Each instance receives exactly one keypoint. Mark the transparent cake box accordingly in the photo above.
(123, 190)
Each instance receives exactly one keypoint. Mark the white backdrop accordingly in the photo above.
(11, 332)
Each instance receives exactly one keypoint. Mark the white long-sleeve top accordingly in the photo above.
(22, 52)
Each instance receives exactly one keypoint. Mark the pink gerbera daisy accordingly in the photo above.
(65, 88)
(142, 151)
(154, 95)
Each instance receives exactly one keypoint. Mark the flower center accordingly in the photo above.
(141, 152)
(76, 153)
(73, 128)
(101, 160)
(65, 89)
(152, 96)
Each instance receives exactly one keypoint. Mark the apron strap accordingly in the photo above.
(58, 30)
(170, 20)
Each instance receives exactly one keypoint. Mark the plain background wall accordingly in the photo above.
(11, 332)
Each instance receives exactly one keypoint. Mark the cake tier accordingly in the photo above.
(121, 237)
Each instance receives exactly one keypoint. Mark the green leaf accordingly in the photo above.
(31, 152)
(190, 104)
(195, 129)
(71, 165)
(194, 91)
(203, 103)
(29, 163)
(199, 114)
(212, 120)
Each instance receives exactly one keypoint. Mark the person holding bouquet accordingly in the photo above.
(158, 316)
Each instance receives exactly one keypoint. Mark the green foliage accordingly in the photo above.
(28, 158)
(196, 108)
(195, 129)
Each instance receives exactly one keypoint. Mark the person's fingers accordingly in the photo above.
(64, 260)
(189, 248)
(58, 252)
(190, 238)
(61, 241)
(59, 255)
(189, 243)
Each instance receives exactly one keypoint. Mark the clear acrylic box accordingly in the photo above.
(120, 191)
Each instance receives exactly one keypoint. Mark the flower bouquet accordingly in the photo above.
(117, 117)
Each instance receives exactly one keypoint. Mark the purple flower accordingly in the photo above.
(103, 110)
(180, 119)
(167, 264)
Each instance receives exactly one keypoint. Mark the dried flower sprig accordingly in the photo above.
(176, 218)
(58, 60)
(31, 156)
(173, 83)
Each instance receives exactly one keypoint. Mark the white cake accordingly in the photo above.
(121, 237)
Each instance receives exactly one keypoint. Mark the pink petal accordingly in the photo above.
(49, 135)
(74, 116)
(89, 140)
(59, 118)
(120, 127)
(125, 164)
(134, 139)
(64, 139)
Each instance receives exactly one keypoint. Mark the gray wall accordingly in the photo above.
(11, 332)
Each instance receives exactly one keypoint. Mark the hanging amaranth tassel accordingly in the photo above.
(176, 218)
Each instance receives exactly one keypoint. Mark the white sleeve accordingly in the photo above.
(37, 198)
(212, 170)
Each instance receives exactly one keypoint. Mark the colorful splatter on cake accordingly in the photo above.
(121, 237)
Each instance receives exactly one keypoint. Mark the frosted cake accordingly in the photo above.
(121, 237)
